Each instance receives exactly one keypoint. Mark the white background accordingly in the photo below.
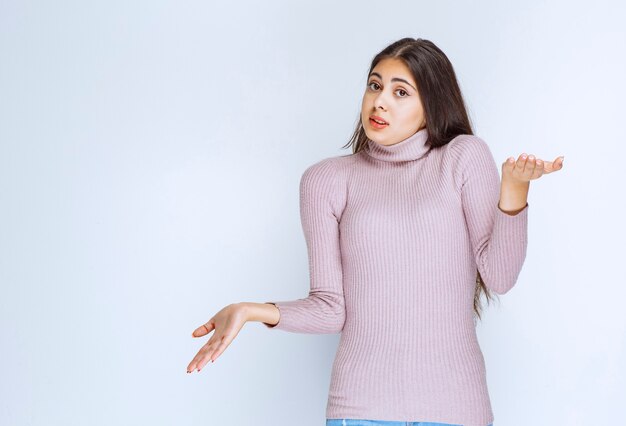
(150, 155)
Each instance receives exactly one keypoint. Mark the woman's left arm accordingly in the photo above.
(516, 177)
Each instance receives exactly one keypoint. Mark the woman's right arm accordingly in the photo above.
(266, 313)
(323, 311)
(322, 200)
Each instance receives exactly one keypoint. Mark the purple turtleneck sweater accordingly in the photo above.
(395, 235)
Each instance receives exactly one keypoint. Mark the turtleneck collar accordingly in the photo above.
(411, 148)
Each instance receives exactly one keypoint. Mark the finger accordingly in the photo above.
(540, 164)
(225, 341)
(509, 164)
(208, 354)
(200, 356)
(196, 359)
(560, 161)
(203, 361)
(531, 165)
(521, 163)
(539, 169)
(221, 347)
(556, 164)
(204, 329)
(551, 166)
(194, 362)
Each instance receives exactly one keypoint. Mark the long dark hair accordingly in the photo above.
(444, 107)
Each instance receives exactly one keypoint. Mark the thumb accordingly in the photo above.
(203, 329)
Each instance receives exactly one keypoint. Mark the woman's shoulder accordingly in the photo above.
(465, 155)
(323, 183)
(466, 150)
(466, 144)
(328, 178)
(331, 167)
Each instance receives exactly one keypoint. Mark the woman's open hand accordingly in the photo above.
(527, 168)
(226, 324)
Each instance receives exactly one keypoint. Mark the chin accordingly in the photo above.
(377, 138)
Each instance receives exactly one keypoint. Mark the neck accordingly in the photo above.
(409, 149)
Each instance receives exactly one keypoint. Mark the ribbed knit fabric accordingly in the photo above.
(395, 235)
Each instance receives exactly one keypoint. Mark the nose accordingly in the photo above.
(380, 101)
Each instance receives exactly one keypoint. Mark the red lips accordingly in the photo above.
(377, 118)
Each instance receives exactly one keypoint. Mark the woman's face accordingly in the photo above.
(391, 94)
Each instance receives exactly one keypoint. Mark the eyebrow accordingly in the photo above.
(394, 79)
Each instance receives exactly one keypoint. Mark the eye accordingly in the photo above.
(402, 90)
(370, 85)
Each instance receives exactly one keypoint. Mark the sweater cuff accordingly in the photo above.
(279, 323)
(515, 224)
(523, 211)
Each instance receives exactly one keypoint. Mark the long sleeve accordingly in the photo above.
(323, 311)
(498, 239)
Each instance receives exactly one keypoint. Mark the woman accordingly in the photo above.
(403, 237)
